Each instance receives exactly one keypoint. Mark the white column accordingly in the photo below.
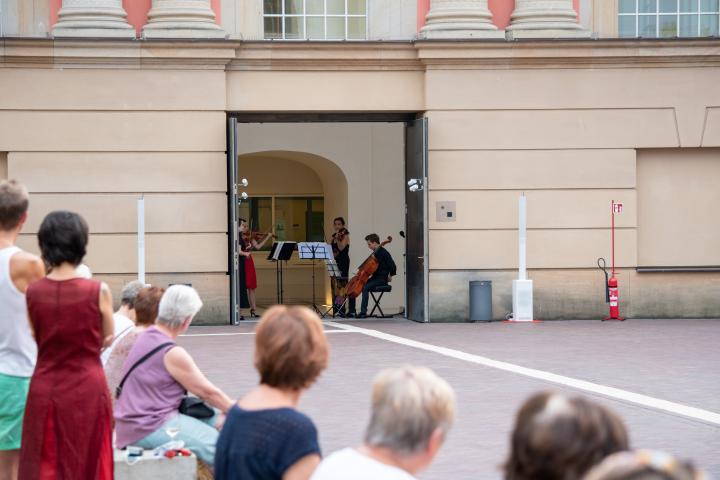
(182, 19)
(93, 18)
(459, 19)
(545, 19)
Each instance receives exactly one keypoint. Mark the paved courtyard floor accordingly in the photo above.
(661, 376)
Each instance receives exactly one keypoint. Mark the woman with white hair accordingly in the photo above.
(412, 412)
(146, 412)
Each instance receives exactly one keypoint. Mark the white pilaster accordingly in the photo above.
(93, 18)
(459, 19)
(545, 19)
(182, 19)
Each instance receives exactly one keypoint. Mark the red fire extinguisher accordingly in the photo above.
(611, 293)
(611, 284)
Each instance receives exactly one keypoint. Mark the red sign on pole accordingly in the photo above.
(617, 207)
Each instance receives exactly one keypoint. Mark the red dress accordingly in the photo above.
(250, 275)
(67, 429)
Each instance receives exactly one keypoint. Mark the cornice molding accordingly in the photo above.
(569, 53)
(326, 56)
(89, 53)
(417, 55)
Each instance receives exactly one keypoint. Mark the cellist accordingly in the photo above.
(385, 271)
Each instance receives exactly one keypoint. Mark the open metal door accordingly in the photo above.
(416, 237)
(233, 241)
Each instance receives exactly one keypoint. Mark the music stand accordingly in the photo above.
(314, 251)
(280, 252)
(334, 271)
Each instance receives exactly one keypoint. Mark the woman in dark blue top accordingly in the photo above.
(265, 437)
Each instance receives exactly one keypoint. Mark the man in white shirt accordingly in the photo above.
(412, 411)
(124, 318)
(18, 351)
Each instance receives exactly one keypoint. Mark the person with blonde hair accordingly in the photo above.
(412, 412)
(265, 437)
(644, 465)
(561, 438)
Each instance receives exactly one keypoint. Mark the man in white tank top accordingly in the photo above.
(18, 351)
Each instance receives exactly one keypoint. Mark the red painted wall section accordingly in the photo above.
(54, 8)
(422, 9)
(215, 5)
(501, 10)
(137, 11)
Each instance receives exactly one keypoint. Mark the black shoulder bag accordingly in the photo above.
(190, 406)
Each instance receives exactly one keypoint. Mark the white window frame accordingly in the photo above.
(677, 14)
(283, 16)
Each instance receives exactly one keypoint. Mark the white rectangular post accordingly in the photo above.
(141, 238)
(522, 238)
(522, 288)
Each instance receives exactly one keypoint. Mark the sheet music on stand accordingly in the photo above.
(333, 269)
(315, 251)
(280, 252)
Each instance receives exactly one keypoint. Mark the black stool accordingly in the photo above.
(382, 289)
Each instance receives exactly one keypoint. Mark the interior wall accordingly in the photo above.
(275, 173)
(368, 158)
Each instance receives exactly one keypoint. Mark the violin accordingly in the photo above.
(355, 286)
(339, 236)
(249, 236)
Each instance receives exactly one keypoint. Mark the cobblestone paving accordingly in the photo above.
(674, 360)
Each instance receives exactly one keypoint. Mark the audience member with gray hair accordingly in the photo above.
(147, 406)
(124, 318)
(412, 412)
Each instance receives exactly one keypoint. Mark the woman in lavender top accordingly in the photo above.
(146, 412)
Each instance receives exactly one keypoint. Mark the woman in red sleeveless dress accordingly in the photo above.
(247, 244)
(67, 429)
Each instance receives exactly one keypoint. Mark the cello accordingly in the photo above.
(355, 286)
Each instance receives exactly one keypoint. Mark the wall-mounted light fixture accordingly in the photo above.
(415, 184)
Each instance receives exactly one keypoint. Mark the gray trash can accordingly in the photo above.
(481, 301)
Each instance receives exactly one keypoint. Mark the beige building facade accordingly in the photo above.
(559, 113)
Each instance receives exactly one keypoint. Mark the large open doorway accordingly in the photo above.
(303, 171)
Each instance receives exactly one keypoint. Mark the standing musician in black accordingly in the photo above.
(341, 251)
(386, 269)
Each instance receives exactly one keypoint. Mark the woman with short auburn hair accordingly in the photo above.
(560, 438)
(265, 436)
(146, 305)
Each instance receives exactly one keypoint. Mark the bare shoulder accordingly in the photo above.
(25, 268)
(178, 354)
(27, 265)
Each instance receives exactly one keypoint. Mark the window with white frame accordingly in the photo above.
(668, 18)
(315, 19)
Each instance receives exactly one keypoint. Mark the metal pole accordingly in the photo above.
(141, 238)
(613, 237)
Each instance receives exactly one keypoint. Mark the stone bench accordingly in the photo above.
(150, 467)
